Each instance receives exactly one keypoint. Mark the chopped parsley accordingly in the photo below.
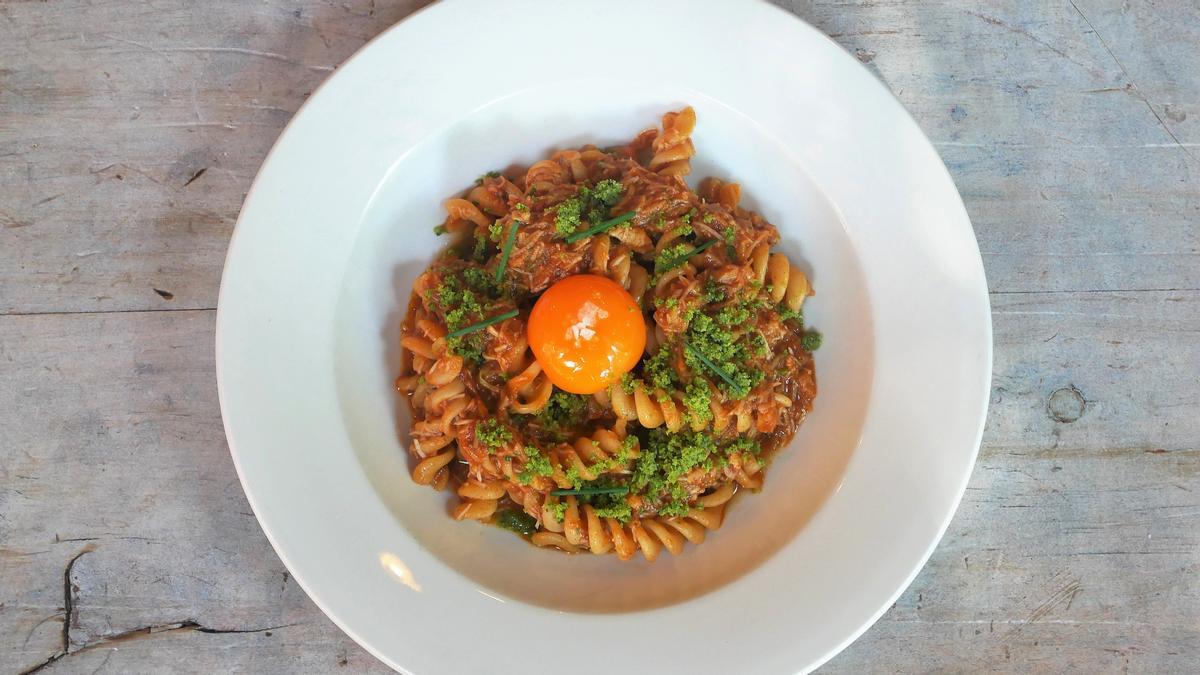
(608, 192)
(464, 296)
(573, 477)
(536, 465)
(696, 399)
(730, 236)
(627, 383)
(658, 371)
(668, 255)
(589, 203)
(620, 510)
(734, 315)
(674, 256)
(563, 412)
(479, 252)
(490, 174)
(440, 230)
(788, 314)
(492, 434)
(480, 282)
(713, 291)
(462, 308)
(608, 496)
(666, 459)
(568, 216)
(558, 510)
(761, 348)
(714, 347)
(743, 444)
(811, 341)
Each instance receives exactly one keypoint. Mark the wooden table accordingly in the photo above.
(130, 131)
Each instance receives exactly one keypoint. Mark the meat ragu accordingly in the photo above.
(651, 460)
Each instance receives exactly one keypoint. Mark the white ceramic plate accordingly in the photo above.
(339, 222)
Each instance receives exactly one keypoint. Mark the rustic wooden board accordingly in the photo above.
(130, 132)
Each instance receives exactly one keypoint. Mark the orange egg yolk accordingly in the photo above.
(586, 332)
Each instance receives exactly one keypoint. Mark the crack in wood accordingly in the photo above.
(69, 598)
(196, 176)
(1133, 85)
(110, 641)
(111, 311)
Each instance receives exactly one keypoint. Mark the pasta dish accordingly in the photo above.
(602, 357)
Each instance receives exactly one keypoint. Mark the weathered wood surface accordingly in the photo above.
(130, 131)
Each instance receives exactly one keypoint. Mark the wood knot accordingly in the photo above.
(1066, 404)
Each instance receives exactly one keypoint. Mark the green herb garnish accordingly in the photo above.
(713, 367)
(616, 490)
(568, 216)
(601, 227)
(562, 413)
(812, 341)
(787, 314)
(517, 521)
(492, 434)
(483, 324)
(490, 174)
(713, 292)
(657, 369)
(607, 191)
(676, 261)
(666, 459)
(536, 465)
(627, 383)
(508, 244)
(557, 510)
(696, 399)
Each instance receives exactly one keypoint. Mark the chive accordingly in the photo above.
(712, 366)
(602, 227)
(619, 490)
(679, 260)
(508, 244)
(483, 324)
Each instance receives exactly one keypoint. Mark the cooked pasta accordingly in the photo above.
(603, 358)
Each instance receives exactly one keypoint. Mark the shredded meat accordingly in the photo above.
(540, 258)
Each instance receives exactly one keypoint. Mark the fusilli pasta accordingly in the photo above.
(650, 461)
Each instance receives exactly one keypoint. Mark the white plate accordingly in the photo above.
(339, 222)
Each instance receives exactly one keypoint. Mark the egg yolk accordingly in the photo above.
(586, 332)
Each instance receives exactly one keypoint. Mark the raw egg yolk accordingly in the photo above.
(586, 332)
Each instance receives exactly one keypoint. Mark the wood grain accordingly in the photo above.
(130, 132)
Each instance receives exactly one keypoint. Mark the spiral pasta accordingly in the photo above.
(673, 149)
(651, 408)
(652, 461)
(583, 530)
